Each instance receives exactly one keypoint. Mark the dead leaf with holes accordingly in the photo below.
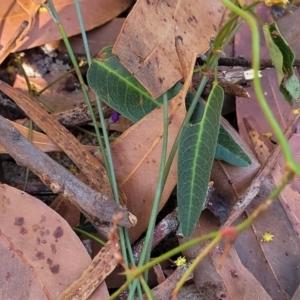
(146, 43)
(40, 254)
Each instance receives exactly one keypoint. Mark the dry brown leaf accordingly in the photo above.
(297, 294)
(31, 7)
(45, 30)
(101, 266)
(275, 264)
(40, 254)
(40, 140)
(56, 97)
(98, 38)
(146, 44)
(290, 196)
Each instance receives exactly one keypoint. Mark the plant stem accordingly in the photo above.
(290, 161)
(92, 236)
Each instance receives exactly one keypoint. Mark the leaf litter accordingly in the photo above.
(231, 272)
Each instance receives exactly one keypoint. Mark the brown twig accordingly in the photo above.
(94, 205)
(81, 157)
(245, 62)
(6, 49)
(265, 170)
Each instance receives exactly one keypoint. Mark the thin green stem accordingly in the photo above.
(77, 69)
(214, 236)
(145, 255)
(146, 251)
(146, 288)
(133, 274)
(106, 158)
(30, 121)
(226, 29)
(107, 155)
(197, 260)
(54, 82)
(90, 235)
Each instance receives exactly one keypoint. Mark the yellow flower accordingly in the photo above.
(180, 261)
(268, 134)
(276, 2)
(267, 237)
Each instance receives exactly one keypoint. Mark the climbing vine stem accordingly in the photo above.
(290, 161)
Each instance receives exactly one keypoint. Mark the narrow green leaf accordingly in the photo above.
(288, 82)
(287, 53)
(119, 89)
(293, 87)
(227, 149)
(196, 153)
(275, 53)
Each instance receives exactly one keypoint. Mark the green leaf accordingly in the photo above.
(293, 87)
(119, 89)
(227, 149)
(287, 53)
(275, 53)
(288, 82)
(196, 153)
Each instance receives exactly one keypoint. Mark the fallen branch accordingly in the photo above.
(96, 206)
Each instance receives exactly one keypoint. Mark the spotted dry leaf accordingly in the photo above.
(101, 266)
(146, 43)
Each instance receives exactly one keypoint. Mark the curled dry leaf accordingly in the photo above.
(40, 254)
(146, 44)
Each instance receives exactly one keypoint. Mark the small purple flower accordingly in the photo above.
(114, 118)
